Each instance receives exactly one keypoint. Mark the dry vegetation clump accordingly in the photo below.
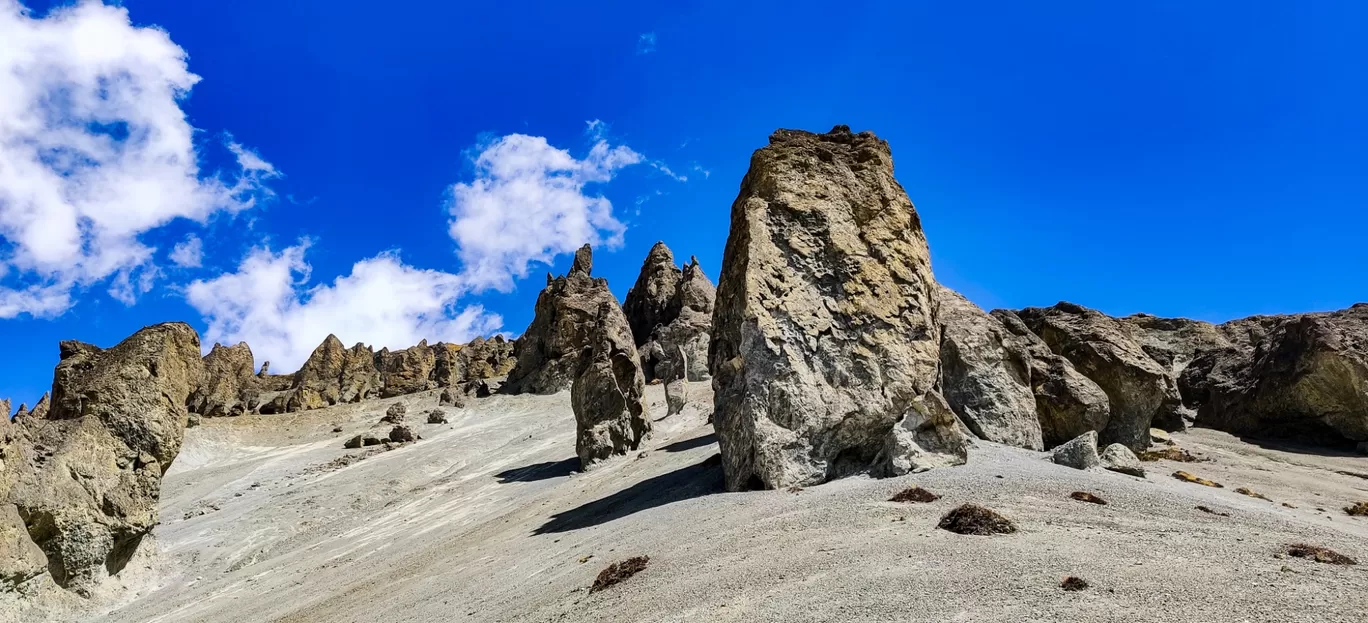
(1072, 583)
(1319, 554)
(1359, 509)
(1186, 477)
(618, 572)
(1172, 453)
(1084, 496)
(1208, 510)
(1251, 493)
(914, 494)
(976, 520)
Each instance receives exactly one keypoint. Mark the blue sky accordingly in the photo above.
(1184, 159)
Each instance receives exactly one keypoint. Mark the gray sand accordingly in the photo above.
(486, 520)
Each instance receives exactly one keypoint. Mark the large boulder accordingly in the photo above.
(825, 346)
(1068, 404)
(562, 330)
(230, 383)
(610, 418)
(1303, 377)
(986, 374)
(1140, 391)
(88, 493)
(406, 371)
(649, 303)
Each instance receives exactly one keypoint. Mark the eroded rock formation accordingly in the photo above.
(670, 311)
(230, 386)
(825, 346)
(649, 302)
(85, 479)
(610, 418)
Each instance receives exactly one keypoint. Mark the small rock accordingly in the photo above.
(1084, 496)
(1319, 554)
(1160, 436)
(450, 398)
(401, 434)
(1119, 458)
(914, 494)
(619, 572)
(192, 421)
(337, 429)
(1072, 583)
(436, 416)
(1080, 453)
(397, 410)
(361, 441)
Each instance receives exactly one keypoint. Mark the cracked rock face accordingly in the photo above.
(566, 316)
(825, 346)
(85, 480)
(610, 419)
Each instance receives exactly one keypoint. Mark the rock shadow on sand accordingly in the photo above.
(540, 471)
(690, 444)
(698, 480)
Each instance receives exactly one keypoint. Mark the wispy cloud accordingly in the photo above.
(646, 43)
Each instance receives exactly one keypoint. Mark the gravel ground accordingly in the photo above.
(485, 519)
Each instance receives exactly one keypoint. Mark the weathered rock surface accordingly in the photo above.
(825, 345)
(1302, 376)
(1068, 404)
(402, 434)
(87, 487)
(451, 398)
(40, 408)
(562, 329)
(230, 385)
(651, 301)
(1080, 453)
(1139, 390)
(406, 371)
(610, 418)
(436, 416)
(334, 374)
(1119, 458)
(676, 396)
(986, 374)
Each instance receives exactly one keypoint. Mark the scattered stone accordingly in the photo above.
(1287, 505)
(192, 421)
(436, 416)
(337, 429)
(1358, 509)
(1160, 436)
(479, 389)
(450, 398)
(1208, 510)
(1251, 493)
(676, 396)
(825, 347)
(610, 418)
(976, 520)
(914, 494)
(401, 434)
(1172, 453)
(1186, 477)
(1084, 496)
(360, 441)
(619, 572)
(397, 410)
(1319, 554)
(1081, 453)
(1119, 458)
(1072, 583)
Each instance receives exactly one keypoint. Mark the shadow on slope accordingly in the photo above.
(690, 444)
(697, 480)
(540, 471)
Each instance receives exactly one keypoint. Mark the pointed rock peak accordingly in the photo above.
(5, 408)
(331, 342)
(584, 261)
(422, 343)
(70, 348)
(40, 410)
(549, 279)
(660, 254)
(22, 412)
(693, 261)
(265, 368)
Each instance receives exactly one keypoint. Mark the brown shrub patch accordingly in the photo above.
(976, 520)
(1084, 496)
(618, 572)
(1208, 510)
(1186, 477)
(1172, 453)
(1319, 554)
(914, 494)
(1359, 509)
(1072, 583)
(1251, 493)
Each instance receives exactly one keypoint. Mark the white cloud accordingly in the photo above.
(188, 253)
(528, 204)
(94, 152)
(646, 43)
(383, 302)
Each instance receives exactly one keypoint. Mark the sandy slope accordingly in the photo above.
(485, 520)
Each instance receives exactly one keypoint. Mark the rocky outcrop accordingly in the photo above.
(1068, 404)
(1302, 377)
(562, 330)
(87, 477)
(1140, 392)
(651, 302)
(825, 345)
(610, 418)
(1079, 453)
(40, 408)
(334, 374)
(230, 386)
(985, 374)
(406, 371)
